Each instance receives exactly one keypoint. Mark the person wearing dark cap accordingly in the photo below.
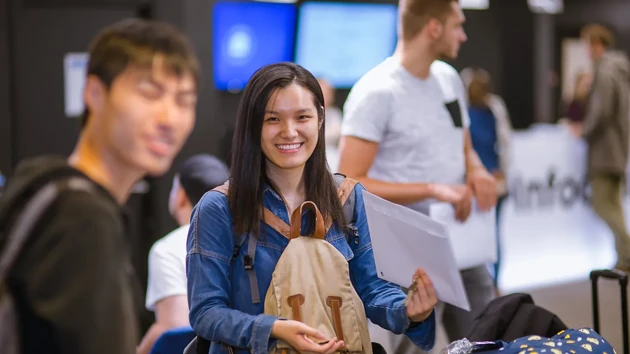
(166, 288)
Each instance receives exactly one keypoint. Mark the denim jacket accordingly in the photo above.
(221, 307)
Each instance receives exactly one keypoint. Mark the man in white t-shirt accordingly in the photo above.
(166, 288)
(405, 137)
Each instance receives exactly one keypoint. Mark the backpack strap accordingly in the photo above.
(346, 196)
(223, 189)
(28, 218)
(249, 267)
(276, 223)
(270, 218)
(345, 188)
(251, 251)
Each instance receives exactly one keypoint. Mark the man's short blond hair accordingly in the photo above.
(596, 33)
(415, 14)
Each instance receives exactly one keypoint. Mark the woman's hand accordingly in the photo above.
(297, 334)
(423, 299)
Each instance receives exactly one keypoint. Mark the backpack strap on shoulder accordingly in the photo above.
(249, 258)
(248, 261)
(347, 197)
(276, 223)
(223, 189)
(28, 218)
(267, 216)
(345, 192)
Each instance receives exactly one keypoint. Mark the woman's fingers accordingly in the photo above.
(338, 345)
(428, 285)
(310, 331)
(327, 348)
(425, 296)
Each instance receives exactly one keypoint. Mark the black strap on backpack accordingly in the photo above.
(32, 199)
(21, 209)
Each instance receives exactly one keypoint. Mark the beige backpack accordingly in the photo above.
(311, 284)
(311, 281)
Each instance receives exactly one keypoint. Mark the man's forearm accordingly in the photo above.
(399, 193)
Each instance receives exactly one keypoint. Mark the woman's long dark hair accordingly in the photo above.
(248, 172)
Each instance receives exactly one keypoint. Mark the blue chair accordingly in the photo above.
(173, 341)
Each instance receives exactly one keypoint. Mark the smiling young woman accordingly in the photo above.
(278, 162)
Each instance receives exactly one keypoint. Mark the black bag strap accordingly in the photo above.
(16, 191)
(35, 207)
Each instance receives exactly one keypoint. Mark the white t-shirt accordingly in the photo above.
(167, 267)
(420, 141)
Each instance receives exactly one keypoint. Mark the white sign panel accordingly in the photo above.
(549, 231)
(75, 68)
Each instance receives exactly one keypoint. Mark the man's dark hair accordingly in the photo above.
(136, 42)
(201, 173)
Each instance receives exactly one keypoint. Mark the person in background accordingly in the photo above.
(606, 130)
(577, 106)
(576, 109)
(166, 288)
(405, 138)
(490, 132)
(75, 288)
(333, 124)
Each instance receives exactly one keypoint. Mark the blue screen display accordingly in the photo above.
(247, 36)
(343, 41)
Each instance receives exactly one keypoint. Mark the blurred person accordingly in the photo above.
(606, 132)
(405, 136)
(490, 131)
(166, 288)
(576, 109)
(333, 124)
(278, 162)
(74, 284)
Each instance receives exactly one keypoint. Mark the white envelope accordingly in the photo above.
(404, 240)
(474, 241)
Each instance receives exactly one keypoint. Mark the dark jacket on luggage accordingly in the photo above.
(514, 316)
(606, 126)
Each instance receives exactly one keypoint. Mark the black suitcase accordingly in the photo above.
(623, 284)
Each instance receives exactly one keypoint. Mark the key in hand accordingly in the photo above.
(412, 288)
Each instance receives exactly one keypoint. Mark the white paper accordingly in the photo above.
(474, 241)
(404, 240)
(75, 68)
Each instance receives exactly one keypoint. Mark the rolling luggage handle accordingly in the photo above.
(623, 283)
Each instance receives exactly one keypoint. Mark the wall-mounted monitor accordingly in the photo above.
(75, 70)
(546, 6)
(342, 41)
(475, 4)
(247, 36)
